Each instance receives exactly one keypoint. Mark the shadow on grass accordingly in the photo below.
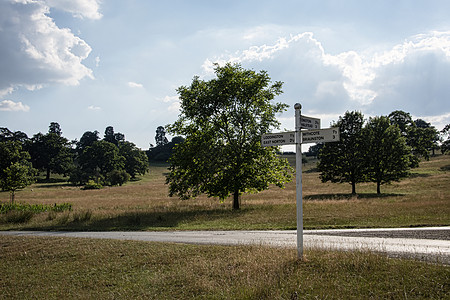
(147, 220)
(41, 186)
(419, 175)
(350, 196)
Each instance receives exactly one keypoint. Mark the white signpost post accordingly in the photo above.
(314, 135)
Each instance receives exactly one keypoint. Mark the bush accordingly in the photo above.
(118, 177)
(19, 216)
(92, 185)
(34, 208)
(82, 216)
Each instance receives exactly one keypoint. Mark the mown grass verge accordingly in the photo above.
(62, 268)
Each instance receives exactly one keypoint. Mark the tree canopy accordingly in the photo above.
(343, 161)
(387, 156)
(222, 121)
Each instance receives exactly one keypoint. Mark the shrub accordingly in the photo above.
(19, 216)
(118, 177)
(82, 216)
(92, 185)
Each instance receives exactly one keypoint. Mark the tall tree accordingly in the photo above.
(51, 152)
(98, 160)
(222, 120)
(113, 137)
(87, 139)
(343, 161)
(55, 128)
(8, 135)
(387, 155)
(160, 136)
(136, 161)
(445, 133)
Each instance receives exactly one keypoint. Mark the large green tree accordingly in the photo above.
(343, 161)
(97, 161)
(420, 135)
(136, 161)
(51, 152)
(222, 120)
(387, 156)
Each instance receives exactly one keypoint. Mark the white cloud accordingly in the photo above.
(168, 99)
(34, 51)
(8, 105)
(413, 75)
(79, 8)
(174, 107)
(92, 107)
(135, 85)
(97, 61)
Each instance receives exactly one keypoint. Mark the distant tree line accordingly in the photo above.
(163, 149)
(110, 160)
(380, 150)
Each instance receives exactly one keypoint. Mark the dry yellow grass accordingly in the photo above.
(421, 200)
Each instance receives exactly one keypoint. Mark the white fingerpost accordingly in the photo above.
(298, 172)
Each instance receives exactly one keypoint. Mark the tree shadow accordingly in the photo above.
(145, 220)
(342, 196)
(418, 175)
(40, 186)
(445, 168)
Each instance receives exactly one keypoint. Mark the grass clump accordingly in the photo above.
(62, 268)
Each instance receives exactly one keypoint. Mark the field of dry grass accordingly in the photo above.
(421, 200)
(63, 268)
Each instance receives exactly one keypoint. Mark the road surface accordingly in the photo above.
(431, 243)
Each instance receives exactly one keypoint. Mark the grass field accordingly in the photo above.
(421, 200)
(63, 268)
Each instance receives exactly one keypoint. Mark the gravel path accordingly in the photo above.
(431, 233)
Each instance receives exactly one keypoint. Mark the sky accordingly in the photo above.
(89, 64)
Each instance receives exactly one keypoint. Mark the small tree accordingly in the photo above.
(343, 161)
(223, 120)
(445, 147)
(17, 176)
(387, 155)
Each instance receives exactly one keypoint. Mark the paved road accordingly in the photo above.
(431, 243)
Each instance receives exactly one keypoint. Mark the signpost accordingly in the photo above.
(321, 135)
(310, 123)
(278, 139)
(314, 135)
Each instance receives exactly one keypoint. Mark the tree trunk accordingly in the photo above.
(236, 200)
(12, 197)
(378, 187)
(48, 174)
(353, 188)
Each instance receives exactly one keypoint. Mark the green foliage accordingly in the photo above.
(98, 160)
(419, 135)
(223, 120)
(387, 156)
(117, 177)
(162, 152)
(136, 161)
(17, 176)
(51, 152)
(92, 185)
(445, 146)
(35, 208)
(343, 161)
